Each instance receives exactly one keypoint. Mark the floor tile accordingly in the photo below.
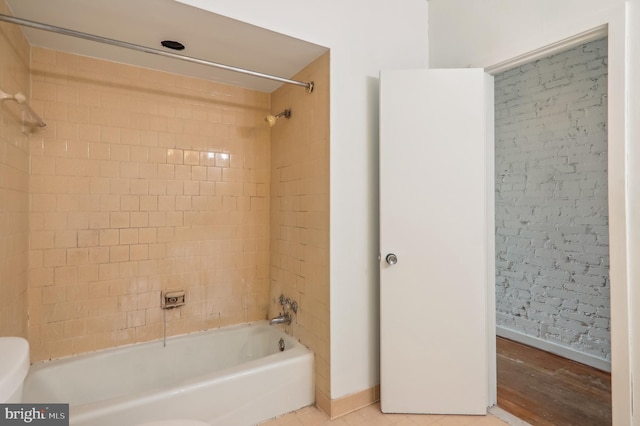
(372, 416)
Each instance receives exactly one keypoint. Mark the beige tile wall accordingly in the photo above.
(143, 182)
(14, 182)
(300, 211)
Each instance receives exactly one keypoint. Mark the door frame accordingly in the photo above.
(621, 391)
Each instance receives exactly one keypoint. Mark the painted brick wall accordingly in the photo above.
(552, 249)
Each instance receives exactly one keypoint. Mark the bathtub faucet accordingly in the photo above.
(283, 318)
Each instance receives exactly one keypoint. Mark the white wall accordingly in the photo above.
(633, 144)
(364, 37)
(472, 33)
(482, 33)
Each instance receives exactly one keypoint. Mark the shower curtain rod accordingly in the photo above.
(46, 27)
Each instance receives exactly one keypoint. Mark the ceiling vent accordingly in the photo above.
(171, 44)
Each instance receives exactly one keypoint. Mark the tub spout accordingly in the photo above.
(284, 318)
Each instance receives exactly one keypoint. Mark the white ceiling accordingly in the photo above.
(206, 36)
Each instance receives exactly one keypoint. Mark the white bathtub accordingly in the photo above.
(230, 376)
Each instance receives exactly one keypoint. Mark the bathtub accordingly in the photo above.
(234, 375)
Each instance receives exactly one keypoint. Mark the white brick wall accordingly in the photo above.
(552, 247)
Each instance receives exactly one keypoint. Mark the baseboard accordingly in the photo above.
(554, 348)
(338, 407)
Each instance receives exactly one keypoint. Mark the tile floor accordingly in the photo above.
(372, 416)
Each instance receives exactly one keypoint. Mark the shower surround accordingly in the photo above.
(14, 183)
(142, 182)
(146, 181)
(299, 217)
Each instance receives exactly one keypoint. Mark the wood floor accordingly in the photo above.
(545, 389)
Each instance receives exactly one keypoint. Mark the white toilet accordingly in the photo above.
(14, 366)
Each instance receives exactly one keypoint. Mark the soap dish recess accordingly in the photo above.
(173, 299)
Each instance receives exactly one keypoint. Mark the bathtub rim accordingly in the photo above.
(296, 353)
(38, 365)
(90, 410)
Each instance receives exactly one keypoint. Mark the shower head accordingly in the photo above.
(22, 101)
(271, 119)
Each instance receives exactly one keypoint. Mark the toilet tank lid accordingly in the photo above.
(14, 365)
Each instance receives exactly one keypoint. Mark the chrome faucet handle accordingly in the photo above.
(287, 303)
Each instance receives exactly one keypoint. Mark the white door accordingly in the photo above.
(436, 219)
